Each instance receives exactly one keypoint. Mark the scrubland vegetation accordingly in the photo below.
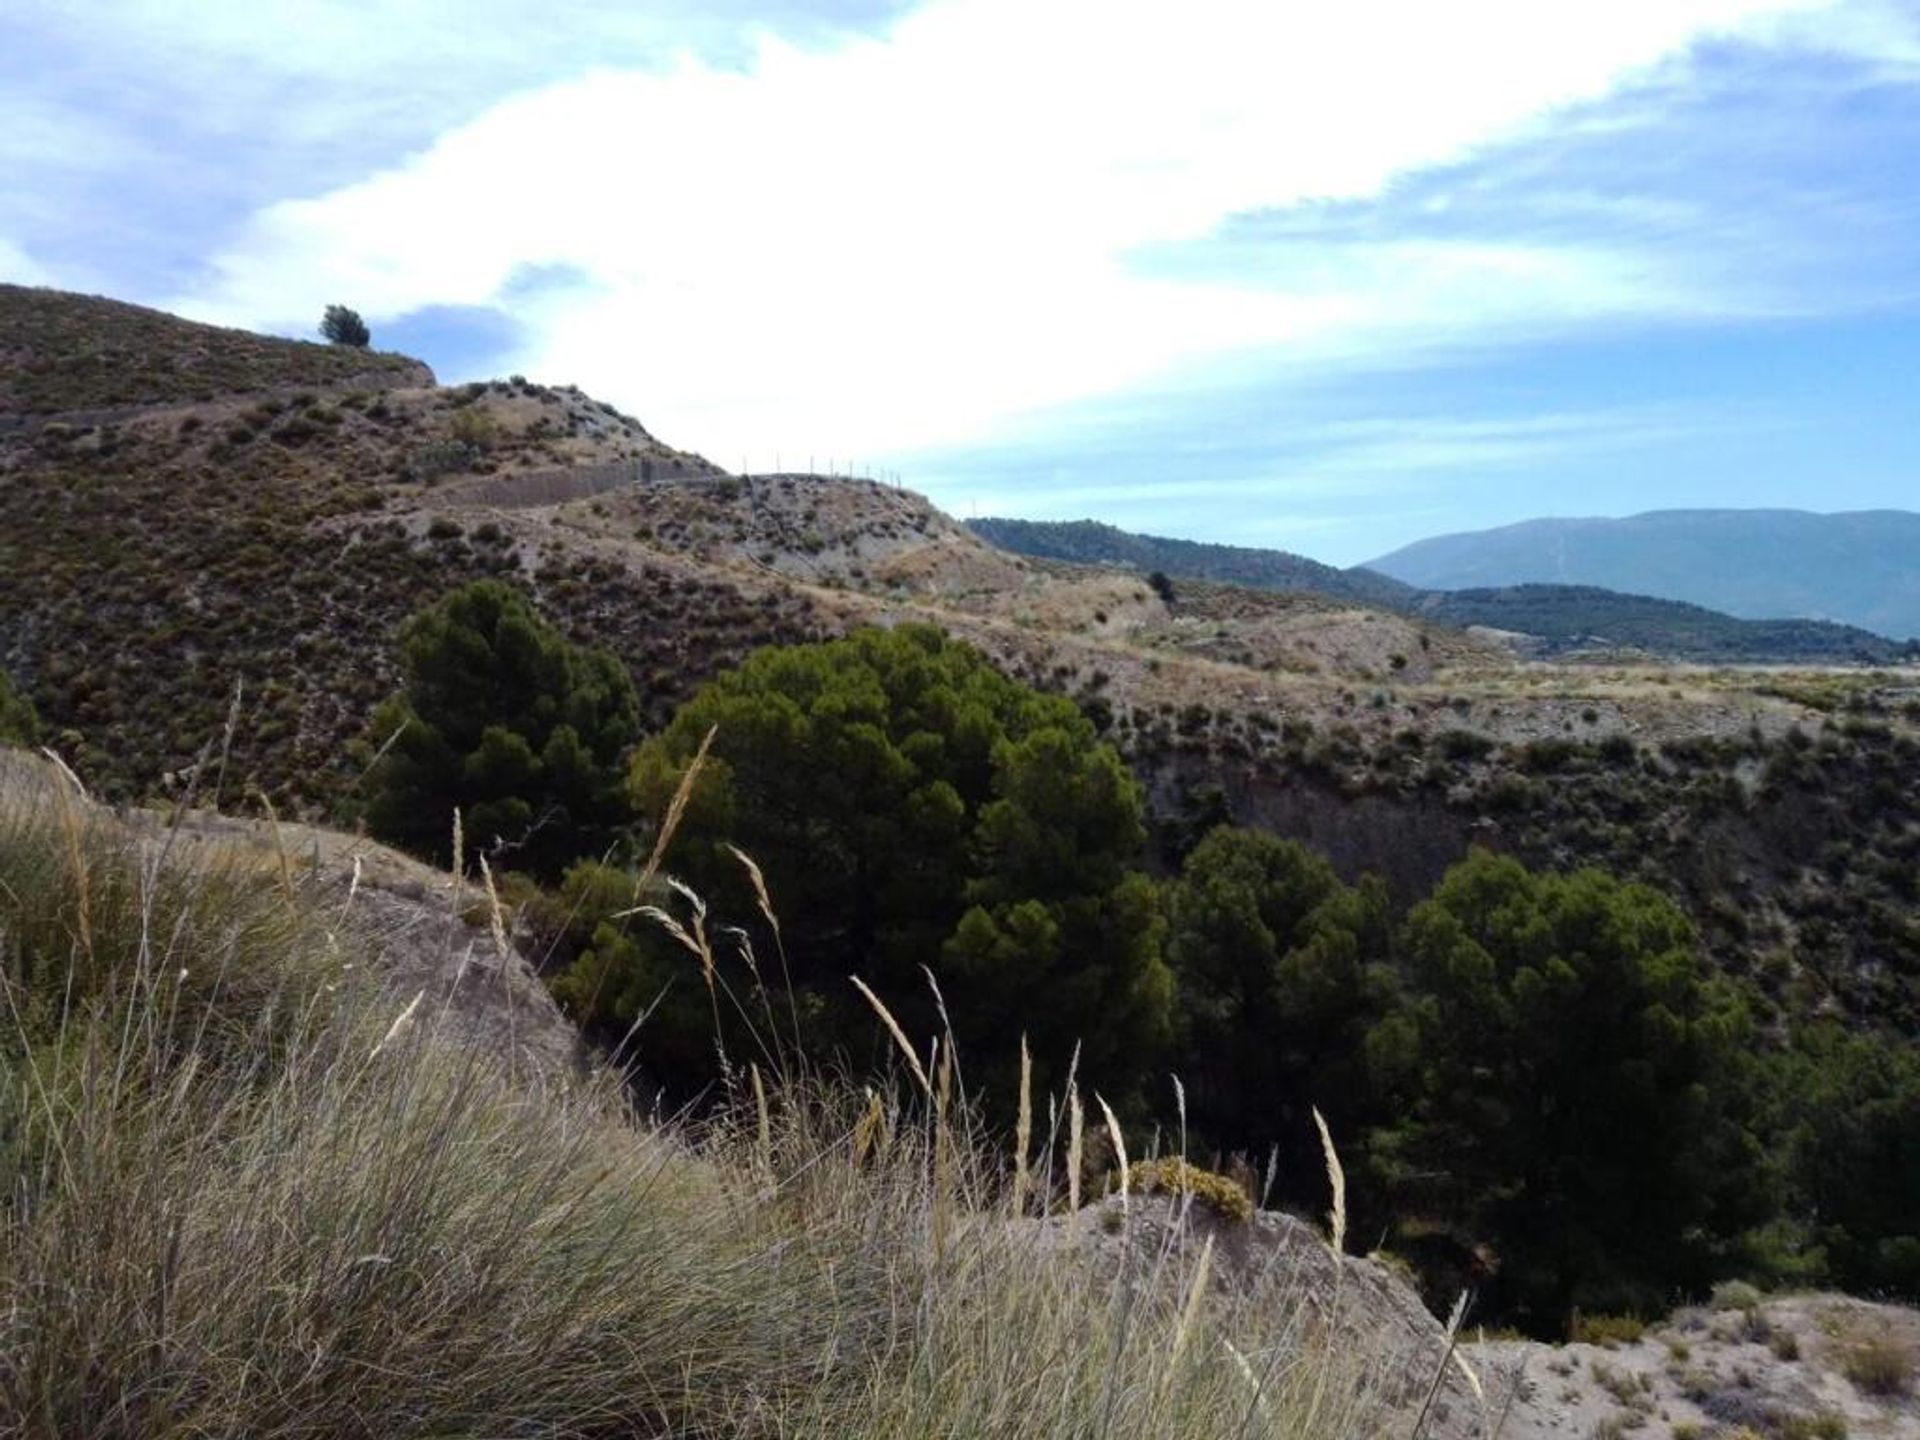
(1655, 1034)
(1549, 1097)
(248, 1193)
(143, 573)
(96, 354)
(1561, 619)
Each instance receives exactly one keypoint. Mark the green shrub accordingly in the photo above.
(1826, 1425)
(1565, 1068)
(1464, 745)
(341, 326)
(905, 800)
(18, 723)
(1736, 1295)
(1280, 975)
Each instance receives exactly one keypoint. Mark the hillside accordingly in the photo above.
(221, 579)
(1578, 619)
(330, 1133)
(574, 1268)
(1857, 568)
(65, 353)
(1091, 543)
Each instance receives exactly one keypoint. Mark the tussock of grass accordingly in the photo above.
(260, 1207)
(1608, 1330)
(1880, 1365)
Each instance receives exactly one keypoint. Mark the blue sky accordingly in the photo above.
(1331, 278)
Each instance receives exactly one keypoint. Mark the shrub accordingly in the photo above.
(906, 800)
(1567, 1078)
(1852, 1111)
(1279, 971)
(1464, 745)
(1736, 1295)
(1825, 1425)
(1879, 1366)
(1608, 1330)
(18, 723)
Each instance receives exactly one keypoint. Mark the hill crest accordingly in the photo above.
(63, 354)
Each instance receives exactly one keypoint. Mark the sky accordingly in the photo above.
(1330, 278)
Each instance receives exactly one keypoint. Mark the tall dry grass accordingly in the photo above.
(247, 1202)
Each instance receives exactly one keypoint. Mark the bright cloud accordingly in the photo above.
(905, 240)
(19, 268)
(1388, 457)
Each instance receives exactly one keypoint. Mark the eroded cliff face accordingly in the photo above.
(1407, 841)
(1795, 858)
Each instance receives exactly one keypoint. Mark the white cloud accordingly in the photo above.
(19, 268)
(1359, 460)
(902, 241)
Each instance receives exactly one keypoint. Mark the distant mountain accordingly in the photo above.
(1564, 618)
(1860, 568)
(1088, 542)
(1571, 618)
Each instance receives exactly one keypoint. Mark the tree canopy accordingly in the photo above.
(1564, 1070)
(1852, 1118)
(1281, 972)
(503, 718)
(911, 806)
(341, 326)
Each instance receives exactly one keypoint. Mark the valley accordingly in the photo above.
(203, 594)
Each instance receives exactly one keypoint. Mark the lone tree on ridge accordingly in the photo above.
(342, 326)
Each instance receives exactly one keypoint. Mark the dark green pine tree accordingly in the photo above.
(1572, 1089)
(525, 733)
(913, 807)
(1281, 972)
(341, 326)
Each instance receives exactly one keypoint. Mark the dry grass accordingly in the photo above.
(1880, 1365)
(243, 1198)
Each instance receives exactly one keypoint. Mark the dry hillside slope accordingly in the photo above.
(236, 547)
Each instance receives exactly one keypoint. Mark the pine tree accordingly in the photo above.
(341, 326)
(503, 718)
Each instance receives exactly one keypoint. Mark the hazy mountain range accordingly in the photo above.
(1561, 618)
(1860, 568)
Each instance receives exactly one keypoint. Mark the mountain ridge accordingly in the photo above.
(1095, 541)
(1854, 567)
(1548, 619)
